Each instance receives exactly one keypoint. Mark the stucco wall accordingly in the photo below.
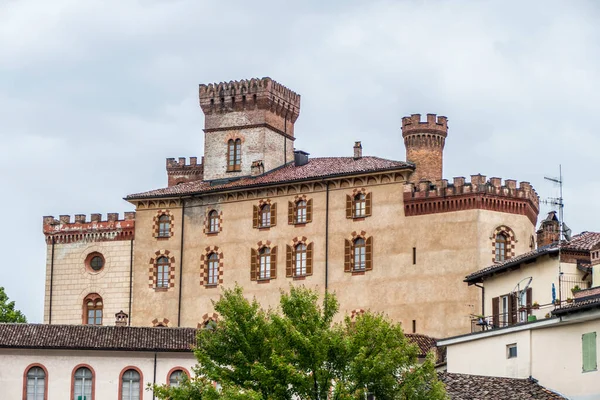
(107, 366)
(72, 281)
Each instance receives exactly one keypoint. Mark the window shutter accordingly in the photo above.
(512, 309)
(273, 214)
(274, 262)
(309, 259)
(309, 210)
(253, 264)
(289, 261)
(255, 217)
(528, 301)
(349, 208)
(348, 256)
(369, 254)
(291, 213)
(588, 347)
(496, 311)
(368, 204)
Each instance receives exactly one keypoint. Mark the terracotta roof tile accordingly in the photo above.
(425, 343)
(315, 168)
(578, 306)
(583, 241)
(85, 337)
(477, 387)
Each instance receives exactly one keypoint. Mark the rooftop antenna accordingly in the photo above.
(564, 231)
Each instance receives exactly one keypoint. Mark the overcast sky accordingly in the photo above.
(95, 94)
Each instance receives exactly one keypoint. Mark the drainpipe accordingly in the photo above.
(181, 262)
(327, 236)
(51, 283)
(154, 378)
(130, 282)
(482, 299)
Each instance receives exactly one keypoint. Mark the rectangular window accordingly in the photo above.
(162, 279)
(588, 347)
(504, 311)
(265, 267)
(511, 350)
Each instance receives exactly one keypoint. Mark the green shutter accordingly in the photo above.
(588, 342)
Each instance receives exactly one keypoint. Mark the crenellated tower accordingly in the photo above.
(424, 142)
(247, 121)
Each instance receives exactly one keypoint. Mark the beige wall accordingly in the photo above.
(549, 351)
(431, 292)
(72, 281)
(107, 366)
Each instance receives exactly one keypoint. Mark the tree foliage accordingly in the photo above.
(7, 309)
(297, 351)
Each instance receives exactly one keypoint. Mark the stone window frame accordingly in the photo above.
(75, 369)
(234, 144)
(25, 379)
(207, 224)
(510, 244)
(255, 262)
(290, 258)
(293, 211)
(257, 217)
(204, 260)
(131, 368)
(349, 253)
(162, 323)
(95, 298)
(88, 262)
(351, 204)
(153, 271)
(156, 222)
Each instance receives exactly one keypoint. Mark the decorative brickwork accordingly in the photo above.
(427, 198)
(356, 313)
(160, 323)
(157, 229)
(204, 260)
(291, 267)
(180, 172)
(207, 223)
(207, 318)
(510, 243)
(95, 230)
(153, 270)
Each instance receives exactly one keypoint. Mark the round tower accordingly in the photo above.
(424, 142)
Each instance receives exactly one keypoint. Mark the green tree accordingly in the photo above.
(297, 350)
(7, 309)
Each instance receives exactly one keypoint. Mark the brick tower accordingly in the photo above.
(246, 122)
(424, 142)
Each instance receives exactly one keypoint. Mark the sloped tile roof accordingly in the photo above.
(578, 306)
(584, 241)
(85, 337)
(425, 343)
(315, 168)
(477, 387)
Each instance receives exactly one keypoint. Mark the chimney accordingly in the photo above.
(300, 158)
(257, 168)
(121, 318)
(357, 150)
(549, 231)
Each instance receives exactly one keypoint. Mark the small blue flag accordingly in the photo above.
(553, 293)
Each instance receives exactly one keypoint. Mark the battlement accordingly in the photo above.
(247, 95)
(180, 172)
(428, 198)
(67, 230)
(433, 124)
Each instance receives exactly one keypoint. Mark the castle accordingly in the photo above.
(385, 235)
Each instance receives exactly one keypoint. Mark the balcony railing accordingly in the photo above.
(524, 314)
(570, 281)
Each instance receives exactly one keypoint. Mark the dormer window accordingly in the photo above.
(234, 155)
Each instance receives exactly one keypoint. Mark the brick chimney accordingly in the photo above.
(121, 318)
(549, 231)
(357, 150)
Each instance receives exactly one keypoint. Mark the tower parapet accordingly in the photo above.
(180, 172)
(428, 198)
(424, 142)
(65, 230)
(262, 102)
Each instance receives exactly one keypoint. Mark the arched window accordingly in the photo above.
(360, 254)
(162, 272)
(213, 221)
(300, 261)
(360, 205)
(164, 226)
(501, 247)
(83, 384)
(36, 384)
(177, 376)
(131, 386)
(301, 212)
(92, 309)
(234, 155)
(265, 215)
(264, 263)
(213, 269)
